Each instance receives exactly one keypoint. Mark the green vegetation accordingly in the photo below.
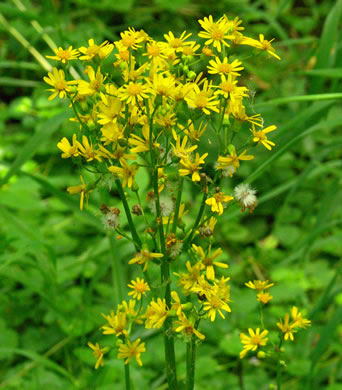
(59, 268)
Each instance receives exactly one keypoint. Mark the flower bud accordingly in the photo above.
(191, 75)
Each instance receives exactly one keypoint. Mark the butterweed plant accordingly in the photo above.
(154, 109)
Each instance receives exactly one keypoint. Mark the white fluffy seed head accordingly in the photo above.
(176, 249)
(245, 195)
(111, 221)
(229, 170)
(166, 205)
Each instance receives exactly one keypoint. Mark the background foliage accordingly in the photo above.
(59, 269)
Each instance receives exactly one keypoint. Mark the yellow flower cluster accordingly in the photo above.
(258, 338)
(143, 104)
(151, 84)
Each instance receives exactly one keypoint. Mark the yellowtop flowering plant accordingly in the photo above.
(152, 112)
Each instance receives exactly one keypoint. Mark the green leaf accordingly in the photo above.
(39, 360)
(328, 73)
(326, 45)
(10, 82)
(326, 336)
(302, 98)
(44, 131)
(302, 133)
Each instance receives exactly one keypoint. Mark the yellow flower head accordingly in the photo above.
(202, 100)
(67, 149)
(134, 92)
(98, 353)
(194, 133)
(189, 280)
(156, 314)
(143, 258)
(86, 88)
(61, 87)
(217, 302)
(264, 297)
(180, 150)
(91, 51)
(130, 350)
(259, 285)
(139, 287)
(80, 189)
(131, 39)
(208, 260)
(233, 159)
(287, 328)
(192, 167)
(187, 327)
(261, 44)
(216, 66)
(175, 43)
(253, 341)
(64, 55)
(260, 136)
(116, 324)
(298, 319)
(218, 201)
(216, 33)
(126, 173)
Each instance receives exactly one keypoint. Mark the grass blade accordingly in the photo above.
(326, 45)
(40, 360)
(282, 150)
(44, 131)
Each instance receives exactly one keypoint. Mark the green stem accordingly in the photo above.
(169, 347)
(278, 364)
(190, 364)
(83, 124)
(137, 241)
(198, 220)
(127, 377)
(261, 315)
(116, 272)
(178, 202)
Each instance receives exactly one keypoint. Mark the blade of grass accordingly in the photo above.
(326, 296)
(20, 65)
(19, 83)
(323, 125)
(8, 10)
(44, 131)
(41, 361)
(326, 45)
(330, 167)
(48, 40)
(308, 170)
(310, 239)
(335, 73)
(32, 365)
(326, 335)
(301, 98)
(117, 273)
(24, 42)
